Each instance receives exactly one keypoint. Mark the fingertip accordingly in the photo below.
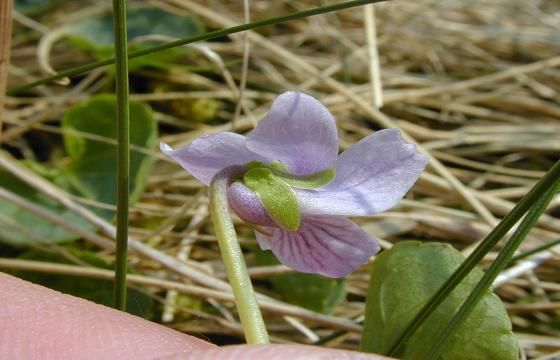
(39, 323)
(274, 352)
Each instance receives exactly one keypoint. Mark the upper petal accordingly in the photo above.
(299, 131)
(371, 176)
(211, 153)
(332, 246)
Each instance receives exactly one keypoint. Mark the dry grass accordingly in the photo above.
(474, 83)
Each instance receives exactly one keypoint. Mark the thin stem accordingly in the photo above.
(492, 272)
(535, 250)
(546, 182)
(245, 300)
(123, 139)
(191, 39)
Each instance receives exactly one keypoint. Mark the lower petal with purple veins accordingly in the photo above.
(332, 246)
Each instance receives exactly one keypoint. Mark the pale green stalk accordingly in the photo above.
(245, 300)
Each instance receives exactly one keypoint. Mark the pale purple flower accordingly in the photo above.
(300, 134)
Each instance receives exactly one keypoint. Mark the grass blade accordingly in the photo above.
(534, 251)
(123, 156)
(492, 272)
(546, 182)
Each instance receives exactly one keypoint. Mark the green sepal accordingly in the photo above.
(277, 197)
(255, 164)
(277, 165)
(312, 181)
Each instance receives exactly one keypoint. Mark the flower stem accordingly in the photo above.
(121, 75)
(245, 300)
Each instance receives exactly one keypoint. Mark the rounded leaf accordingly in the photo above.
(401, 282)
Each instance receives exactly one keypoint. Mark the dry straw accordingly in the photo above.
(474, 83)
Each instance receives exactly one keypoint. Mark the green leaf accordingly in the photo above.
(277, 197)
(95, 34)
(141, 21)
(32, 7)
(92, 170)
(21, 227)
(97, 290)
(403, 279)
(313, 292)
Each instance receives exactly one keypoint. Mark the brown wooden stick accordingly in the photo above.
(6, 7)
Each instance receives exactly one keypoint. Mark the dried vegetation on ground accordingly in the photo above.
(474, 83)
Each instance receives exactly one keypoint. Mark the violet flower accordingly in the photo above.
(297, 190)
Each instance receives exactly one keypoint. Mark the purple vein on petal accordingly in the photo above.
(331, 246)
(310, 252)
(371, 176)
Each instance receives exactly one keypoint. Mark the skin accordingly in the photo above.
(39, 323)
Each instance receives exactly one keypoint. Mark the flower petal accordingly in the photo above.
(209, 154)
(298, 131)
(371, 176)
(332, 246)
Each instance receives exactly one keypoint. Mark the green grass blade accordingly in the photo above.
(189, 40)
(492, 272)
(535, 250)
(123, 156)
(545, 183)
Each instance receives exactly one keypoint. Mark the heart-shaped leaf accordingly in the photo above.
(141, 21)
(22, 227)
(95, 34)
(404, 278)
(92, 170)
(33, 7)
